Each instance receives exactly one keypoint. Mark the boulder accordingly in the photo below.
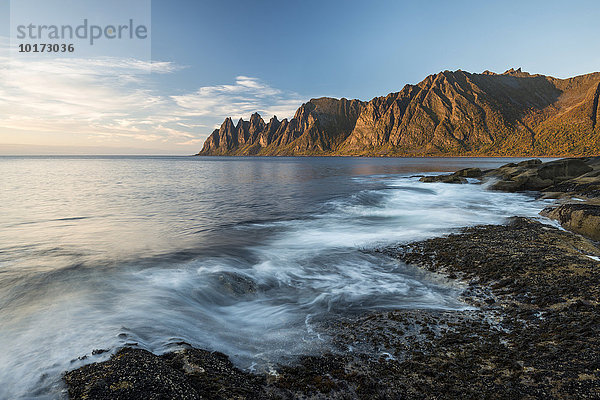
(507, 171)
(236, 284)
(535, 175)
(586, 185)
(528, 180)
(457, 177)
(582, 218)
(469, 173)
(505, 186)
(562, 170)
(443, 178)
(529, 163)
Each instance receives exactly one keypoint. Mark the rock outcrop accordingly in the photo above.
(449, 113)
(535, 175)
(575, 181)
(581, 218)
(572, 176)
(457, 177)
(186, 374)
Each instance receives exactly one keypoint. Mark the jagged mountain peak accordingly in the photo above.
(228, 121)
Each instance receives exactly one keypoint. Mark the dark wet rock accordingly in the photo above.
(131, 373)
(529, 163)
(187, 374)
(457, 177)
(236, 284)
(564, 169)
(533, 260)
(469, 173)
(543, 327)
(443, 178)
(582, 218)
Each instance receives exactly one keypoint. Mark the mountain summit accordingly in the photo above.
(450, 113)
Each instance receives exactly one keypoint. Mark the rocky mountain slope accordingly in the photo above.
(449, 113)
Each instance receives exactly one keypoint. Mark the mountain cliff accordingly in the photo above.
(449, 113)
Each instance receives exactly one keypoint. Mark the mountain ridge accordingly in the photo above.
(451, 113)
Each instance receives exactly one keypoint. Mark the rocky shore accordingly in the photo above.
(575, 182)
(533, 331)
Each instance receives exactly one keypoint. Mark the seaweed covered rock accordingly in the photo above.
(187, 374)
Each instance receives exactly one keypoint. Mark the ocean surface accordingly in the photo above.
(240, 255)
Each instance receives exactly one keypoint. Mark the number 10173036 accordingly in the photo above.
(46, 48)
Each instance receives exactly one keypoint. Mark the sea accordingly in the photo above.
(247, 256)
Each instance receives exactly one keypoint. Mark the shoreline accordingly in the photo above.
(373, 156)
(534, 332)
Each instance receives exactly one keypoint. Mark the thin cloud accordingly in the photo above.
(246, 96)
(80, 95)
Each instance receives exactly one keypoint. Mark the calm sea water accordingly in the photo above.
(240, 255)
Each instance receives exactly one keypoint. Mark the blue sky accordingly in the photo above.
(231, 58)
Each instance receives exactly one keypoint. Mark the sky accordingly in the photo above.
(214, 59)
